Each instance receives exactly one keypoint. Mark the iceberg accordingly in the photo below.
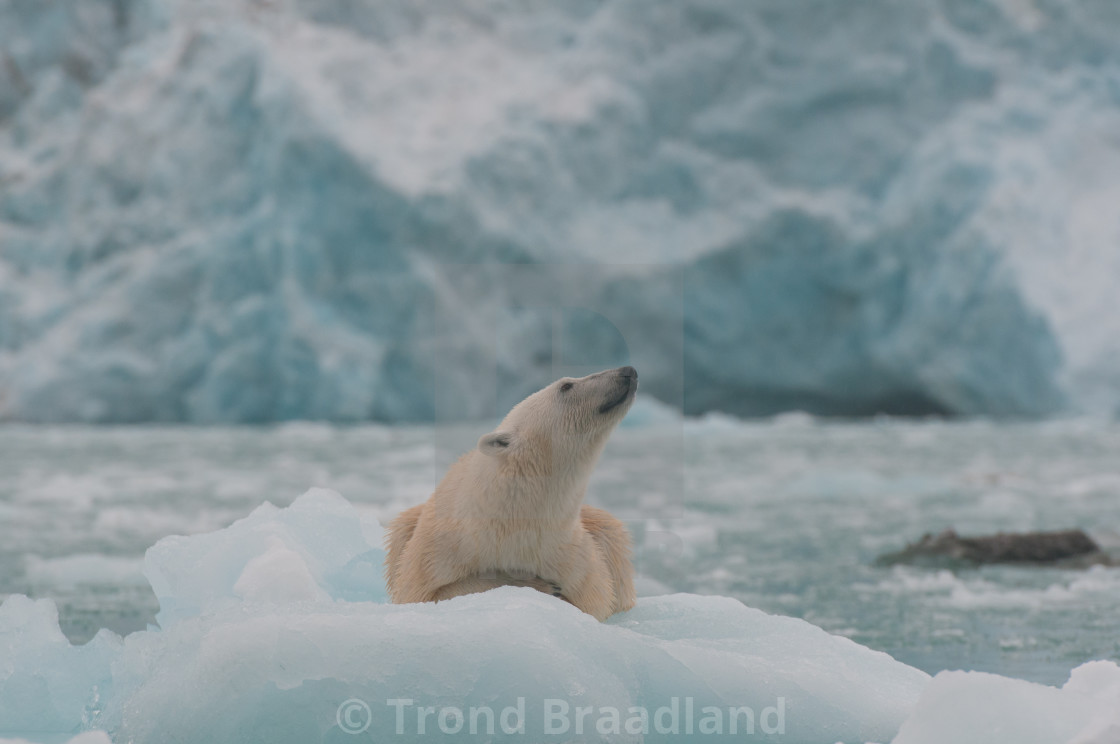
(249, 211)
(318, 549)
(262, 636)
(973, 707)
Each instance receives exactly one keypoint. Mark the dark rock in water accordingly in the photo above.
(1064, 547)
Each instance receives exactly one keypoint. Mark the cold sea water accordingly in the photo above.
(787, 515)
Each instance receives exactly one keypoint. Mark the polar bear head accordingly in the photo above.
(562, 429)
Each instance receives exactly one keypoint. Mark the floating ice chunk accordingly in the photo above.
(84, 569)
(89, 737)
(280, 674)
(795, 419)
(47, 685)
(278, 575)
(973, 591)
(967, 707)
(316, 549)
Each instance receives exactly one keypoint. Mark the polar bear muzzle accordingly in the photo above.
(626, 384)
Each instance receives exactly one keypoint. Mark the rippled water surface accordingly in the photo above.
(787, 515)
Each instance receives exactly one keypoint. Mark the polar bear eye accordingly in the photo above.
(565, 387)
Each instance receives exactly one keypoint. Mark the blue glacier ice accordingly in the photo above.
(250, 211)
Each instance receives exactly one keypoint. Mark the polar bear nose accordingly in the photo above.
(627, 371)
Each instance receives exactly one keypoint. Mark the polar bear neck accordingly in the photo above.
(545, 486)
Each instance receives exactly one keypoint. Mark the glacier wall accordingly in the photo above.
(256, 210)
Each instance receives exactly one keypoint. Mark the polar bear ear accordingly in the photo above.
(495, 443)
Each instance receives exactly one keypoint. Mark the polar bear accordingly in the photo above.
(511, 512)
